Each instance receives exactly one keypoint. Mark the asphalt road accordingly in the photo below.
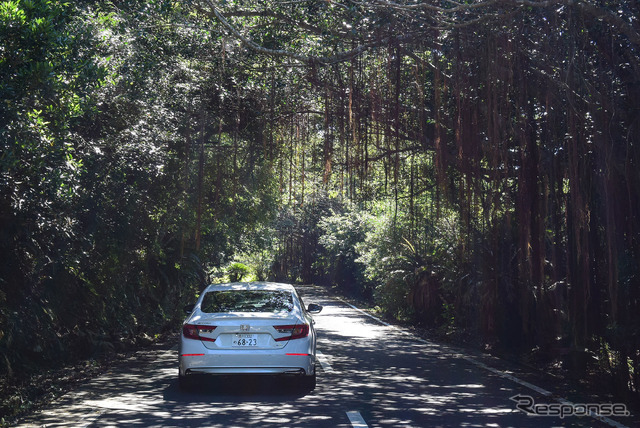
(370, 374)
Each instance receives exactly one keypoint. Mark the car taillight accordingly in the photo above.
(297, 331)
(191, 331)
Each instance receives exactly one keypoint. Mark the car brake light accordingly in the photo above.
(297, 331)
(191, 331)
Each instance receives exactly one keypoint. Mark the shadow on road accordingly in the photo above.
(391, 378)
(262, 388)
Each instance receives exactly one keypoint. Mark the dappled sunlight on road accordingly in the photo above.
(344, 322)
(408, 381)
(385, 374)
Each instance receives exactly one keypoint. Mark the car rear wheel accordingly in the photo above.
(185, 382)
(308, 382)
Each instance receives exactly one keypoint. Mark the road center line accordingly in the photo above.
(356, 419)
(477, 363)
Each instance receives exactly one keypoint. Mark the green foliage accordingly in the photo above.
(297, 233)
(102, 139)
(379, 250)
(448, 316)
(145, 146)
(261, 263)
(335, 263)
(237, 271)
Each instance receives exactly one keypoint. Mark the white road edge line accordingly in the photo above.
(324, 362)
(367, 314)
(505, 375)
(356, 419)
(508, 376)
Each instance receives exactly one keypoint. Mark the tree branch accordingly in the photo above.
(446, 21)
(592, 10)
(309, 59)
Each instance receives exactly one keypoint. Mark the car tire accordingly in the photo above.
(185, 383)
(309, 382)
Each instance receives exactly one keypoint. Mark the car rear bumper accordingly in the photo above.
(250, 363)
(246, 370)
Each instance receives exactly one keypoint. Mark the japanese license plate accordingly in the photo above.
(245, 340)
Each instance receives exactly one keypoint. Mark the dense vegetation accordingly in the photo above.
(468, 166)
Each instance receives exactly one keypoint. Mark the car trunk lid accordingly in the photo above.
(245, 330)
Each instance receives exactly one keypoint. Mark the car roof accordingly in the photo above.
(258, 285)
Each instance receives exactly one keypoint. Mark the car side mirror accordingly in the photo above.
(188, 309)
(314, 309)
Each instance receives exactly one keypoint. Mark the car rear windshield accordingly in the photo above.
(247, 301)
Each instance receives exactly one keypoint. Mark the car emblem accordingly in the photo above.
(244, 327)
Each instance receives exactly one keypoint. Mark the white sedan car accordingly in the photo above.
(249, 328)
